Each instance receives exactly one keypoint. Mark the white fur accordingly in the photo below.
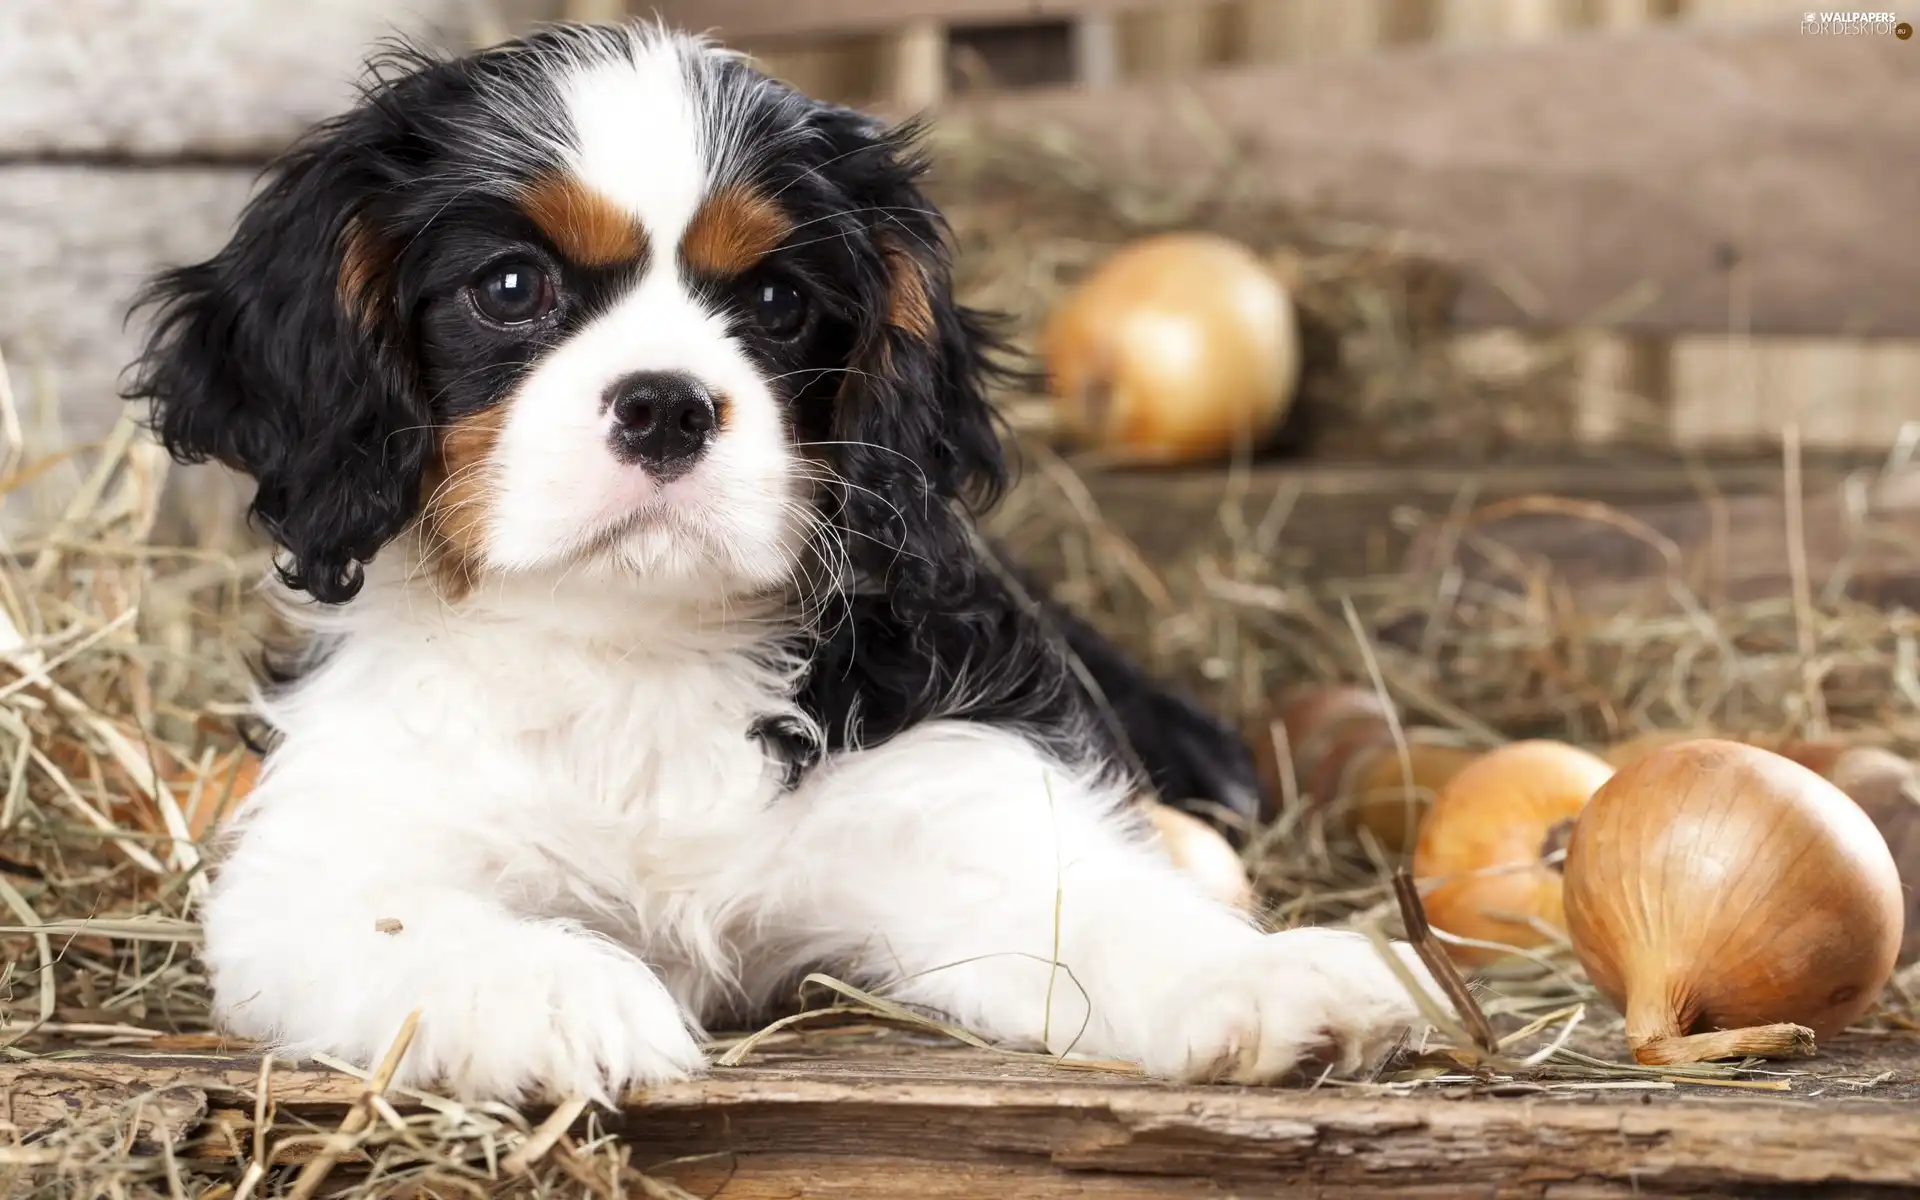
(552, 789)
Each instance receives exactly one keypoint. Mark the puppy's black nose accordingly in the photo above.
(662, 420)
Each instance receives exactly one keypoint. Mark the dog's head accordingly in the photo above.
(600, 299)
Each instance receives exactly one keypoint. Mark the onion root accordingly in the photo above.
(1755, 1041)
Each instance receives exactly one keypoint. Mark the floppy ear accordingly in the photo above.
(915, 437)
(285, 356)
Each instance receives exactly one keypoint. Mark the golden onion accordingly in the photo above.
(1489, 850)
(1730, 902)
(1180, 347)
(1197, 849)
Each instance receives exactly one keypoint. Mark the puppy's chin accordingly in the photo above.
(692, 554)
(683, 545)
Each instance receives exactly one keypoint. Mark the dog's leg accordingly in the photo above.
(955, 867)
(320, 946)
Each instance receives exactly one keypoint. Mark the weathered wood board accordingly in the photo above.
(203, 79)
(87, 238)
(886, 1118)
(1595, 523)
(1743, 178)
(759, 19)
(1754, 177)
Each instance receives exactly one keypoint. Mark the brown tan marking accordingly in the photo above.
(366, 259)
(734, 229)
(586, 226)
(458, 493)
(909, 308)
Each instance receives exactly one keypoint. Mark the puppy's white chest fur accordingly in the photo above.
(644, 771)
(586, 760)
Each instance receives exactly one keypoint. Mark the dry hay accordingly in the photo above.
(122, 668)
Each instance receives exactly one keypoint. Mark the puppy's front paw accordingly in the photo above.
(1299, 998)
(568, 1015)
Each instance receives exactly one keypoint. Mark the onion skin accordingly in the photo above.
(1488, 838)
(1175, 349)
(1372, 793)
(1716, 886)
(1315, 717)
(1341, 748)
(1622, 755)
(1887, 787)
(1197, 849)
(1311, 722)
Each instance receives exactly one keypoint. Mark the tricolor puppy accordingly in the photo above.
(612, 411)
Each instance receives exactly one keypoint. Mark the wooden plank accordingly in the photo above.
(1630, 14)
(1625, 384)
(1285, 30)
(1733, 549)
(1342, 520)
(1497, 20)
(1171, 41)
(913, 65)
(842, 70)
(738, 19)
(87, 238)
(1733, 392)
(595, 12)
(1741, 9)
(1617, 179)
(1096, 50)
(187, 78)
(942, 1123)
(1622, 380)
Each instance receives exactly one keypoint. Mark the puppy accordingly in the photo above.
(613, 414)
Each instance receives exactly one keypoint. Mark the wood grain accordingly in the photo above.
(187, 78)
(734, 19)
(1712, 178)
(939, 1123)
(78, 242)
(1343, 516)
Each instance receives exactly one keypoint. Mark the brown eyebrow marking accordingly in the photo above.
(586, 226)
(734, 229)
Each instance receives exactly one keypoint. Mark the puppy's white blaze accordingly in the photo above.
(637, 135)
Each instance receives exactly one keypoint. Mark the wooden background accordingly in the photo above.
(1718, 195)
(1724, 201)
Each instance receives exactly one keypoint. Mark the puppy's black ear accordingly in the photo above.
(286, 356)
(915, 436)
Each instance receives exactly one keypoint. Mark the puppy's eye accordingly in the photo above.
(513, 294)
(778, 308)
